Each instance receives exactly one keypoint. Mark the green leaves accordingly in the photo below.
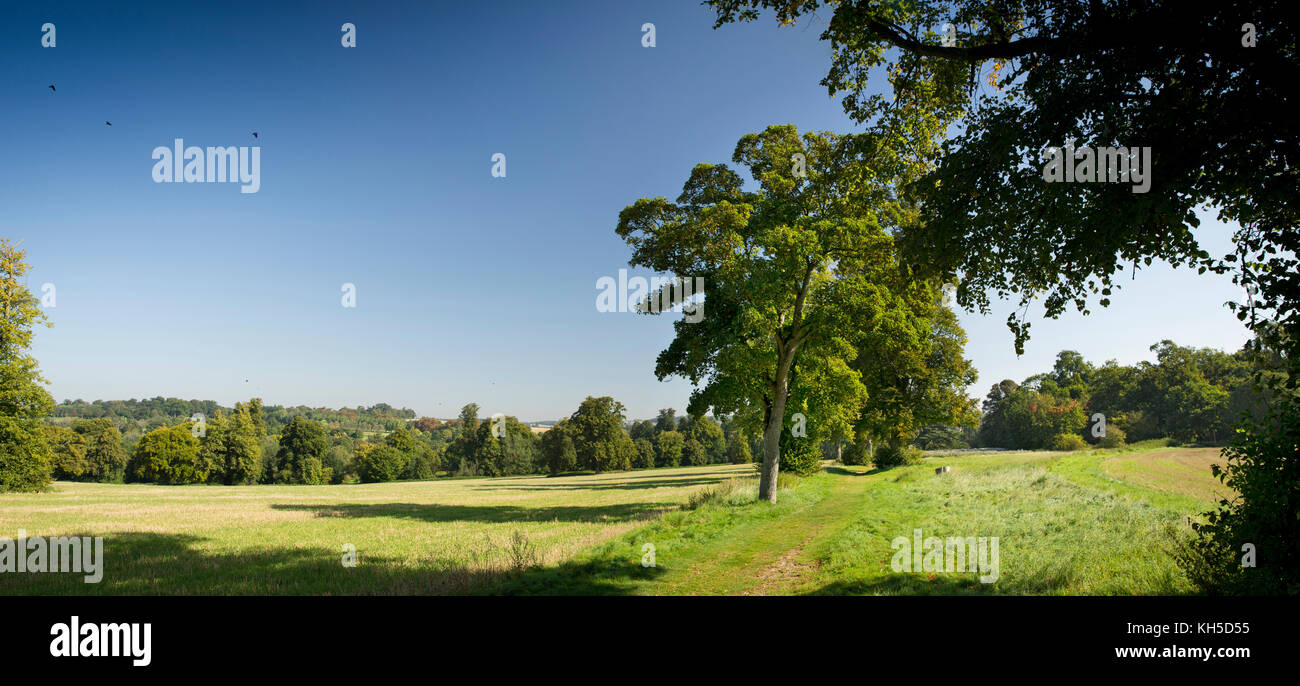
(24, 455)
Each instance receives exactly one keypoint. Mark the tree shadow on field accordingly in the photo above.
(848, 472)
(636, 484)
(136, 563)
(909, 584)
(623, 512)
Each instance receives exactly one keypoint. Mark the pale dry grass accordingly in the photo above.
(410, 537)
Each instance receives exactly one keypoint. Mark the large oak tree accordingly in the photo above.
(795, 267)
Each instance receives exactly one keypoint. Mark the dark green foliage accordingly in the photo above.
(940, 437)
(645, 454)
(105, 457)
(643, 429)
(856, 453)
(67, 452)
(1188, 394)
(599, 439)
(708, 433)
(1263, 466)
(462, 456)
(668, 449)
(557, 449)
(738, 451)
(423, 464)
(24, 456)
(694, 454)
(888, 456)
(303, 445)
(381, 463)
(169, 455)
(800, 455)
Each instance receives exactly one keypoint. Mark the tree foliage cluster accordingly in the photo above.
(1187, 394)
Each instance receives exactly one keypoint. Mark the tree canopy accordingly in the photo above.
(793, 270)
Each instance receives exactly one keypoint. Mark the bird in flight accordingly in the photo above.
(108, 123)
(254, 134)
(53, 88)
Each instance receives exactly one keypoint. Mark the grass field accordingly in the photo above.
(1068, 523)
(411, 537)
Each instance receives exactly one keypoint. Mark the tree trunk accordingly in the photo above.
(772, 433)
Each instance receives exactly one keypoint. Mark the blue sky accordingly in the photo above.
(375, 170)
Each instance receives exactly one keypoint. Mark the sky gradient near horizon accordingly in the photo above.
(375, 170)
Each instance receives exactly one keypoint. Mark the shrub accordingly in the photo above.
(169, 455)
(1114, 438)
(1067, 442)
(888, 456)
(856, 453)
(1260, 466)
(381, 463)
(802, 456)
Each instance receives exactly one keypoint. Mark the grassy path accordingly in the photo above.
(1065, 526)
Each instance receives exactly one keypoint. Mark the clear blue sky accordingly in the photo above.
(375, 170)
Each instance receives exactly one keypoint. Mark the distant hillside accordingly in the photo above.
(159, 411)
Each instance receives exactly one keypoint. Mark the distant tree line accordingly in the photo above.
(238, 446)
(1187, 395)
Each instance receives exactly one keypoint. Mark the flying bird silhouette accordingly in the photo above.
(254, 134)
(108, 123)
(53, 88)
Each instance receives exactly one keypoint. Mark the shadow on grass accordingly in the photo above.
(848, 472)
(136, 563)
(910, 584)
(624, 512)
(635, 484)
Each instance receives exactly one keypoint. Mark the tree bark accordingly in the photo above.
(772, 433)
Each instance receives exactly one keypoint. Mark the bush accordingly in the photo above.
(856, 454)
(888, 456)
(802, 456)
(1260, 466)
(169, 455)
(1067, 442)
(1114, 438)
(381, 463)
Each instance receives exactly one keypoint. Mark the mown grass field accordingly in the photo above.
(411, 537)
(1092, 523)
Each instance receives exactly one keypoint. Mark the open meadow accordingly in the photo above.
(1088, 522)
